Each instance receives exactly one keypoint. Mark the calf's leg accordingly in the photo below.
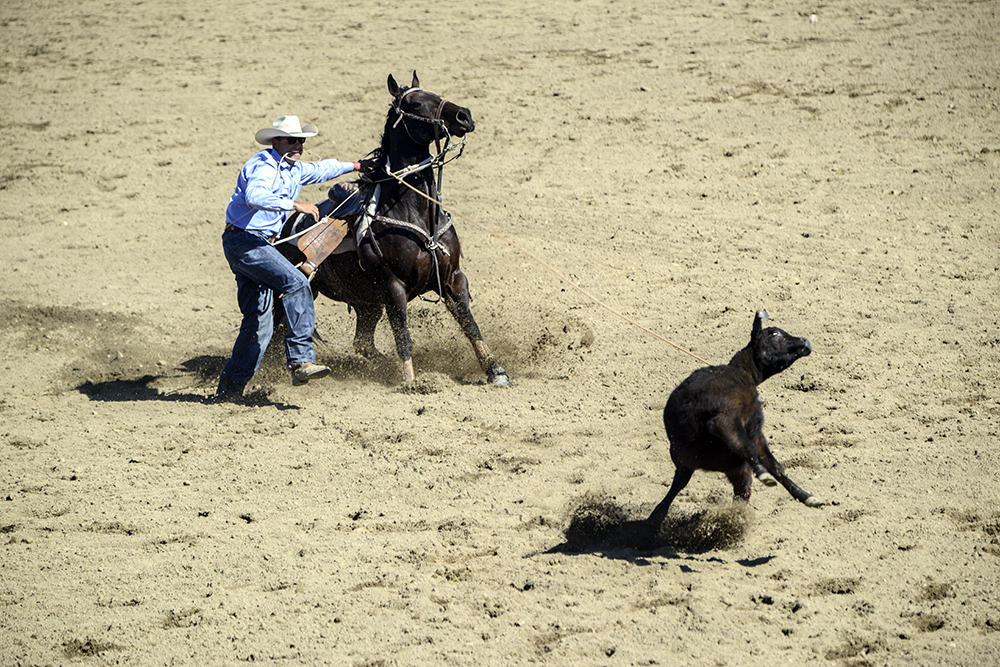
(763, 475)
(758, 458)
(681, 477)
(731, 433)
(741, 478)
(777, 471)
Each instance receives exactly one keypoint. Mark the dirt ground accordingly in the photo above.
(684, 163)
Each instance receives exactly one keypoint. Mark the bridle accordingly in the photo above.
(438, 160)
(439, 125)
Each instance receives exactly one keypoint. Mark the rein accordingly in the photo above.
(438, 160)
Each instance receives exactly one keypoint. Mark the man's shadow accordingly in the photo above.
(203, 370)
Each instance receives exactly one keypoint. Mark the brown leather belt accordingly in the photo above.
(231, 227)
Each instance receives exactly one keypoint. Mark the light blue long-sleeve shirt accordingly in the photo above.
(267, 186)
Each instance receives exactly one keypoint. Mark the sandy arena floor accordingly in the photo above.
(685, 163)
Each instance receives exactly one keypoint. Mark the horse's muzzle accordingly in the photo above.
(463, 122)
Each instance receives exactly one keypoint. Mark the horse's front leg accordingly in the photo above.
(456, 296)
(395, 309)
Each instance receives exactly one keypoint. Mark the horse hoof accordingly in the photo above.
(498, 378)
(371, 354)
(766, 479)
(813, 501)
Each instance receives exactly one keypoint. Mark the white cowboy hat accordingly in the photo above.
(286, 126)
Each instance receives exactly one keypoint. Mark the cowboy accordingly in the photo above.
(266, 191)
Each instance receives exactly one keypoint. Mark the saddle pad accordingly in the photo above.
(364, 219)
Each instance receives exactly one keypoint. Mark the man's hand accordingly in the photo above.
(366, 165)
(307, 208)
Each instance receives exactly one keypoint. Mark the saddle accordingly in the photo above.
(329, 236)
(319, 240)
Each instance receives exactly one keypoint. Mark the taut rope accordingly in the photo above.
(572, 284)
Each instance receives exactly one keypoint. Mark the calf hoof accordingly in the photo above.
(498, 378)
(813, 501)
(767, 479)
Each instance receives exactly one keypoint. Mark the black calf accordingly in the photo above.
(715, 422)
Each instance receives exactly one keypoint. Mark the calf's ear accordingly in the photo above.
(758, 322)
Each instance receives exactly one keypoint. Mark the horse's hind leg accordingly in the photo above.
(457, 299)
(395, 310)
(364, 333)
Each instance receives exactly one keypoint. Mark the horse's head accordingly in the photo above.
(422, 112)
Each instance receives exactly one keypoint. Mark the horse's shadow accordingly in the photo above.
(602, 527)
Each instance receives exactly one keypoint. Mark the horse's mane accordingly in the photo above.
(379, 155)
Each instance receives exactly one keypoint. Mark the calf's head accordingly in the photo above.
(773, 350)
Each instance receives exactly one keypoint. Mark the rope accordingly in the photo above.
(439, 161)
(569, 282)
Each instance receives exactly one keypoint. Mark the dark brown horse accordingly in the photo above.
(410, 247)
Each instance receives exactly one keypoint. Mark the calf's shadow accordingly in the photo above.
(602, 526)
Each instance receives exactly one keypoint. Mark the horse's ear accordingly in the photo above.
(758, 323)
(393, 86)
(416, 82)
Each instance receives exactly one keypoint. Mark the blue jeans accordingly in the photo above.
(260, 272)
